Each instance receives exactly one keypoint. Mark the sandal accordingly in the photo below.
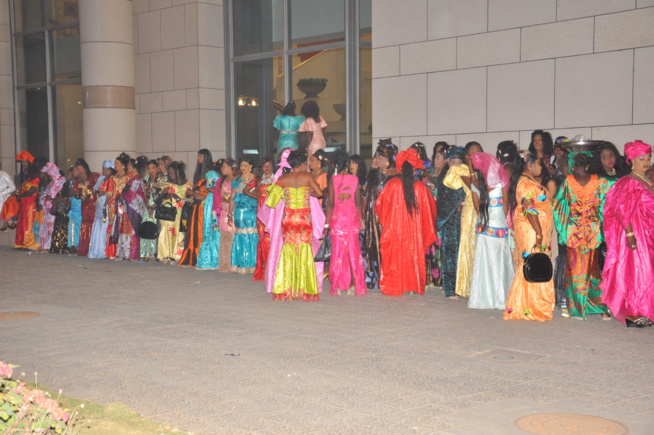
(640, 322)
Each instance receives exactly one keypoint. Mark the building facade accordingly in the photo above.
(93, 78)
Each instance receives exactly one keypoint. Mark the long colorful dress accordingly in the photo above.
(264, 238)
(629, 273)
(7, 186)
(112, 187)
(578, 219)
(148, 247)
(195, 225)
(405, 238)
(171, 239)
(26, 214)
(74, 219)
(375, 183)
(226, 230)
(318, 141)
(98, 243)
(208, 253)
(47, 223)
(529, 300)
(433, 256)
(466, 257)
(346, 259)
(493, 271)
(61, 208)
(246, 237)
(295, 276)
(88, 212)
(448, 225)
(288, 127)
(129, 239)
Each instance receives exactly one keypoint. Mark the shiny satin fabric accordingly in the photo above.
(98, 243)
(246, 236)
(208, 253)
(466, 255)
(26, 211)
(629, 273)
(404, 238)
(264, 238)
(527, 300)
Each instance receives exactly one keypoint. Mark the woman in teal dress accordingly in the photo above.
(243, 215)
(288, 124)
(208, 255)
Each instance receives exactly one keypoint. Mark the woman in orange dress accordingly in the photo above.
(533, 222)
(27, 197)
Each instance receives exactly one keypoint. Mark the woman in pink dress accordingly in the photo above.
(628, 222)
(314, 125)
(345, 215)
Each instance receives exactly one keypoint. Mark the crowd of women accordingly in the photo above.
(461, 219)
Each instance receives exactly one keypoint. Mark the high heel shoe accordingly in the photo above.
(640, 322)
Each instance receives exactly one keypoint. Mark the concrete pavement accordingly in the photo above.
(213, 354)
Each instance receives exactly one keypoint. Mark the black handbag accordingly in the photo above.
(325, 251)
(148, 230)
(166, 212)
(537, 267)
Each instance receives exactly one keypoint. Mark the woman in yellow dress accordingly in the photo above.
(458, 176)
(171, 240)
(533, 221)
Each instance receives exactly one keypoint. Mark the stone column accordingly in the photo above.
(107, 50)
(7, 141)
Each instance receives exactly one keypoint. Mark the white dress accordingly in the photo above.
(493, 271)
(6, 187)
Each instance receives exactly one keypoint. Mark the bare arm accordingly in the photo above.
(631, 239)
(316, 190)
(330, 204)
(505, 201)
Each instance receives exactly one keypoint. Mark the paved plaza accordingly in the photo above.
(213, 354)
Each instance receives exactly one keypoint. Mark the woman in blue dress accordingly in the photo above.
(208, 254)
(98, 245)
(243, 215)
(288, 124)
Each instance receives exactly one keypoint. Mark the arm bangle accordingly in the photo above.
(630, 234)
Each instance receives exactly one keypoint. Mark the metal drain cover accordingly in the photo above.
(569, 424)
(16, 315)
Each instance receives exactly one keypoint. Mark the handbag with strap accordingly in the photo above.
(537, 267)
(148, 230)
(166, 212)
(325, 251)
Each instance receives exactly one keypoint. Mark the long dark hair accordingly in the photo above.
(466, 149)
(407, 185)
(289, 109)
(438, 144)
(422, 151)
(548, 143)
(362, 169)
(519, 164)
(202, 168)
(507, 150)
(310, 109)
(596, 166)
(484, 199)
(233, 165)
(180, 172)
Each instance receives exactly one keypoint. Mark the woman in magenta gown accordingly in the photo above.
(628, 228)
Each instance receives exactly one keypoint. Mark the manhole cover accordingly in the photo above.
(569, 424)
(16, 315)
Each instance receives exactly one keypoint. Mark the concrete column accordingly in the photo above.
(107, 50)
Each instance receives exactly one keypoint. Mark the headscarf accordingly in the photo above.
(411, 156)
(25, 155)
(108, 164)
(635, 149)
(492, 169)
(283, 163)
(57, 180)
(455, 152)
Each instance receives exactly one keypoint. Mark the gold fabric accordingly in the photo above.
(467, 244)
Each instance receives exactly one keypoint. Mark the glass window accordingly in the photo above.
(30, 54)
(69, 133)
(316, 66)
(258, 26)
(316, 22)
(365, 96)
(65, 54)
(62, 12)
(259, 87)
(34, 121)
(29, 14)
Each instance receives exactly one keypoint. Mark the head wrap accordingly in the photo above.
(52, 170)
(283, 163)
(455, 152)
(108, 164)
(57, 180)
(635, 149)
(492, 169)
(411, 156)
(25, 155)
